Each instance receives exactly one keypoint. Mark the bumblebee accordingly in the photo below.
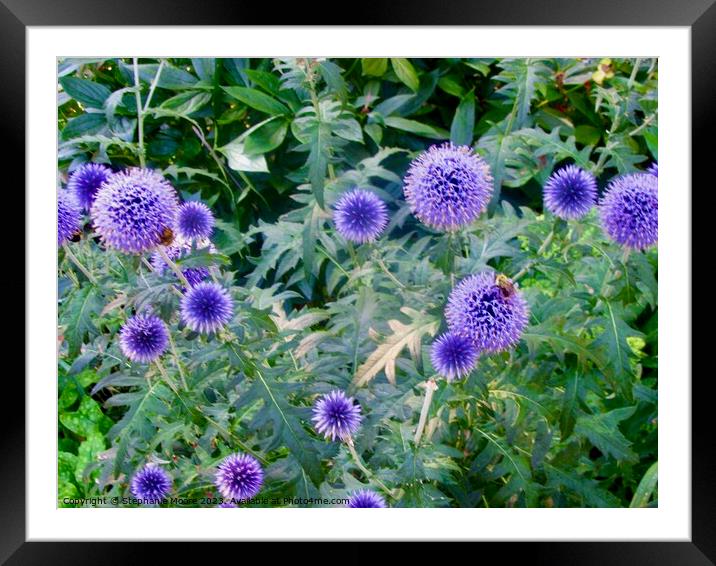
(505, 285)
(166, 237)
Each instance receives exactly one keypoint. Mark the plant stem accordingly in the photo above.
(140, 114)
(385, 269)
(166, 377)
(361, 466)
(173, 266)
(178, 363)
(150, 267)
(78, 263)
(430, 388)
(153, 86)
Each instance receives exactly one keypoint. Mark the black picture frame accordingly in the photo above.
(17, 15)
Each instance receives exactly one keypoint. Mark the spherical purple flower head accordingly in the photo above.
(336, 416)
(239, 476)
(227, 504)
(653, 169)
(570, 192)
(490, 313)
(86, 180)
(629, 210)
(143, 338)
(151, 484)
(360, 216)
(206, 307)
(69, 216)
(453, 356)
(366, 498)
(448, 186)
(195, 221)
(133, 209)
(177, 249)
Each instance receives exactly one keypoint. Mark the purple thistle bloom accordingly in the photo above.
(195, 221)
(360, 216)
(448, 186)
(453, 355)
(143, 338)
(492, 315)
(206, 307)
(227, 504)
(366, 498)
(629, 210)
(653, 169)
(86, 180)
(69, 216)
(177, 250)
(239, 476)
(151, 484)
(336, 416)
(570, 192)
(133, 209)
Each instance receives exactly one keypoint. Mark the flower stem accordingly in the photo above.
(140, 114)
(385, 269)
(70, 254)
(366, 471)
(430, 388)
(173, 266)
(178, 363)
(165, 375)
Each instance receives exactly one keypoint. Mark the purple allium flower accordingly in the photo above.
(69, 216)
(360, 216)
(195, 221)
(206, 307)
(570, 192)
(448, 186)
(239, 476)
(151, 484)
(489, 310)
(453, 355)
(366, 498)
(629, 210)
(86, 180)
(227, 504)
(336, 416)
(133, 209)
(143, 338)
(653, 169)
(177, 249)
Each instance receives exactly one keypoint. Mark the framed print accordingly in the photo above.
(291, 270)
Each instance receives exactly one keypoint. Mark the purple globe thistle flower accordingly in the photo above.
(448, 186)
(239, 476)
(86, 180)
(206, 307)
(195, 221)
(653, 169)
(629, 210)
(133, 210)
(366, 498)
(69, 216)
(489, 310)
(143, 338)
(227, 504)
(336, 416)
(151, 484)
(360, 216)
(570, 192)
(177, 249)
(453, 355)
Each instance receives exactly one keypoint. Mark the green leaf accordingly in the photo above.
(417, 128)
(257, 100)
(87, 420)
(613, 341)
(266, 138)
(205, 68)
(84, 124)
(241, 160)
(76, 317)
(406, 73)
(318, 161)
(171, 78)
(463, 123)
(89, 93)
(646, 487)
(603, 432)
(587, 489)
(186, 103)
(374, 66)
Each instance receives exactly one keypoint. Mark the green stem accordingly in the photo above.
(430, 388)
(78, 263)
(361, 466)
(385, 269)
(166, 377)
(173, 267)
(178, 363)
(140, 114)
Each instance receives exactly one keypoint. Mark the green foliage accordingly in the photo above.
(567, 418)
